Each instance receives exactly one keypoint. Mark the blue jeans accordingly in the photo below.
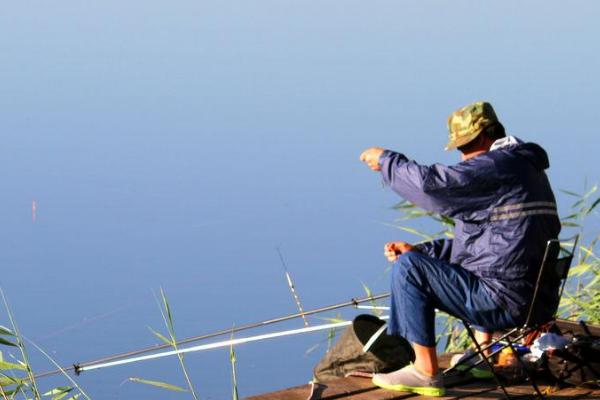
(420, 284)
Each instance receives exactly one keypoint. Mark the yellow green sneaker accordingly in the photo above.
(408, 379)
(463, 363)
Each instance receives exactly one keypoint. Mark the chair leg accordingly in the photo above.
(485, 348)
(488, 362)
(522, 364)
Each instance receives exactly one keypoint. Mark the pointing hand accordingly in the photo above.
(392, 250)
(371, 157)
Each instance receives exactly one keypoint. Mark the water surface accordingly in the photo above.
(176, 145)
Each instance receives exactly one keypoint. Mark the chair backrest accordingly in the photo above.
(551, 279)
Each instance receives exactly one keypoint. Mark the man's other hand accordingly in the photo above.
(371, 157)
(392, 250)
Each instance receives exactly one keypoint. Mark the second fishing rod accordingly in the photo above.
(229, 331)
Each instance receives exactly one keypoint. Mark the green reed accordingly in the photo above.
(167, 316)
(17, 379)
(581, 300)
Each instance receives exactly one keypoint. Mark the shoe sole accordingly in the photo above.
(477, 372)
(424, 390)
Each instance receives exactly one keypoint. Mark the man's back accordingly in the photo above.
(506, 243)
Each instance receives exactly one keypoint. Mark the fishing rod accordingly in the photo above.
(230, 342)
(79, 366)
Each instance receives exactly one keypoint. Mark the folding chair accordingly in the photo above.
(550, 282)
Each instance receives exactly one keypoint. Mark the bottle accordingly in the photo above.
(506, 358)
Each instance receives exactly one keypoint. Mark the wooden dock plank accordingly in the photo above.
(526, 389)
(362, 389)
(576, 328)
(351, 387)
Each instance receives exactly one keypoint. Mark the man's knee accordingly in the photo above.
(409, 263)
(410, 259)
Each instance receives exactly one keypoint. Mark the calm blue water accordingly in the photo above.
(176, 145)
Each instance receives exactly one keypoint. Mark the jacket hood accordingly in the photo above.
(531, 151)
(535, 154)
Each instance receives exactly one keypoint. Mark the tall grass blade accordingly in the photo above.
(335, 320)
(369, 293)
(311, 349)
(579, 269)
(5, 331)
(6, 366)
(7, 343)
(331, 334)
(411, 230)
(591, 208)
(158, 384)
(403, 205)
(6, 380)
(569, 224)
(168, 320)
(590, 192)
(21, 345)
(570, 193)
(159, 335)
(60, 368)
(59, 392)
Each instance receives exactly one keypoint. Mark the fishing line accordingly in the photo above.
(85, 321)
(353, 302)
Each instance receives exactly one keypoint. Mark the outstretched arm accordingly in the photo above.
(454, 191)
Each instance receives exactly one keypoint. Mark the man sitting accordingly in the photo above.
(504, 212)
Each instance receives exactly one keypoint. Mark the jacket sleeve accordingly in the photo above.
(457, 191)
(440, 249)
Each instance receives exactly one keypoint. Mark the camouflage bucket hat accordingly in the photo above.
(467, 123)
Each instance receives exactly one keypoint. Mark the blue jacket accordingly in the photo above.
(504, 212)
